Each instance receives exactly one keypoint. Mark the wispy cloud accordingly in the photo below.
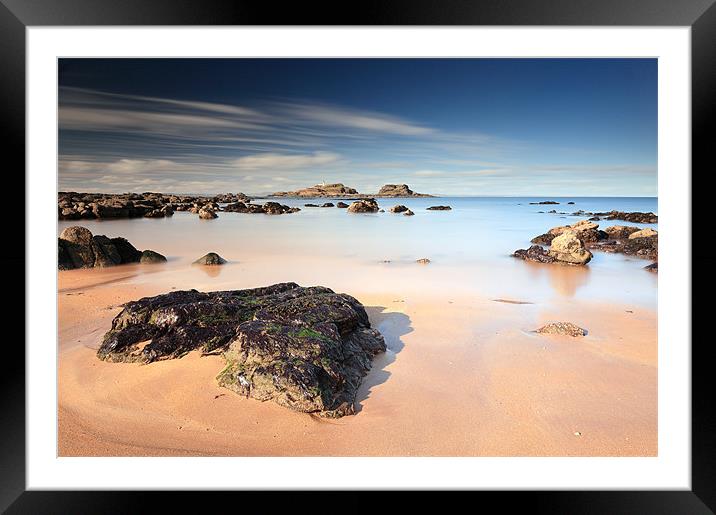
(274, 161)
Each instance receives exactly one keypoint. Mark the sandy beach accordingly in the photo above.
(464, 375)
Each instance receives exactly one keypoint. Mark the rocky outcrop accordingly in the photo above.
(585, 230)
(398, 209)
(86, 206)
(363, 206)
(398, 190)
(562, 328)
(319, 190)
(439, 208)
(568, 248)
(634, 217)
(304, 348)
(211, 259)
(269, 208)
(342, 205)
(544, 202)
(78, 248)
(339, 190)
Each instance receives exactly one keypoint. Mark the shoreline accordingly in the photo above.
(463, 376)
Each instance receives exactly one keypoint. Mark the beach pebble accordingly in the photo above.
(563, 328)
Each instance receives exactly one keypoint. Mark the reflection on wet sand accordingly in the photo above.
(564, 279)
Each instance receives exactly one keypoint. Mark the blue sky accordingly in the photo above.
(583, 127)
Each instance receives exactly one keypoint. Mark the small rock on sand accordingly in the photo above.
(563, 328)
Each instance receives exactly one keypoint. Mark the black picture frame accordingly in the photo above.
(17, 15)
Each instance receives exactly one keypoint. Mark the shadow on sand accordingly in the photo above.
(392, 326)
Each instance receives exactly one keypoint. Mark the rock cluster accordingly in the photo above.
(86, 206)
(304, 348)
(78, 248)
(570, 243)
(439, 208)
(340, 190)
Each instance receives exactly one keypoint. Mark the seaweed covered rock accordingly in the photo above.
(305, 348)
(78, 248)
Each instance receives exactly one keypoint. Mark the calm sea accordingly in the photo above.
(469, 247)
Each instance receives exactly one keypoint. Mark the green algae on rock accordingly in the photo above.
(305, 348)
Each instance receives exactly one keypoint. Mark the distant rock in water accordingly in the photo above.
(654, 267)
(398, 209)
(342, 205)
(212, 258)
(328, 204)
(422, 261)
(78, 248)
(319, 190)
(311, 205)
(635, 217)
(534, 253)
(570, 202)
(207, 214)
(439, 208)
(545, 202)
(306, 349)
(363, 206)
(340, 190)
(398, 190)
(408, 213)
(562, 328)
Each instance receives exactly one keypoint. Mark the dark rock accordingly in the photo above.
(342, 205)
(439, 208)
(304, 348)
(546, 202)
(151, 257)
(409, 213)
(423, 261)
(570, 202)
(634, 217)
(534, 253)
(311, 205)
(328, 204)
(398, 209)
(654, 267)
(212, 258)
(77, 248)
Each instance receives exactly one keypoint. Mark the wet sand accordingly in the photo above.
(463, 376)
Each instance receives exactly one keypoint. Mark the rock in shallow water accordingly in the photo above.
(78, 248)
(304, 348)
(212, 258)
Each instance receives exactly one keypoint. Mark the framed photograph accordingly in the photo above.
(416, 249)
